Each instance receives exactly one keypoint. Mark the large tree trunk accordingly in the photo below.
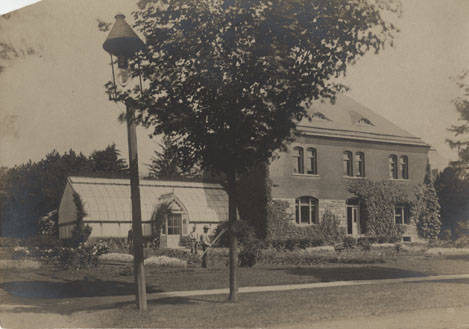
(233, 238)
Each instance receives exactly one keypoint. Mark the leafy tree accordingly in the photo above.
(168, 163)
(31, 190)
(237, 74)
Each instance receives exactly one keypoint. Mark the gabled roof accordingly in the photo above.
(109, 199)
(349, 119)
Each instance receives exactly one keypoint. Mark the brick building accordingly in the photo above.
(342, 143)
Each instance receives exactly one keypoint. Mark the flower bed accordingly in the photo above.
(116, 257)
(165, 261)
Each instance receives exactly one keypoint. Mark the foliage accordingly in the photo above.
(168, 164)
(452, 189)
(235, 75)
(80, 232)
(426, 210)
(33, 189)
(109, 161)
(157, 221)
(302, 257)
(461, 130)
(48, 224)
(377, 201)
(281, 227)
(330, 228)
(350, 242)
(242, 229)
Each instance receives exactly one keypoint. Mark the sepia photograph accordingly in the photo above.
(234, 164)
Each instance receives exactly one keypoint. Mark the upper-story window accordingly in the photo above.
(312, 165)
(348, 163)
(298, 160)
(404, 166)
(306, 210)
(360, 164)
(393, 166)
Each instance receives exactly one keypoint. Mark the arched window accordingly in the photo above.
(298, 160)
(312, 168)
(404, 165)
(348, 164)
(393, 166)
(306, 210)
(360, 164)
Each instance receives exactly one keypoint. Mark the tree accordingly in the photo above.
(461, 129)
(108, 161)
(236, 75)
(426, 209)
(453, 195)
(452, 185)
(32, 190)
(168, 163)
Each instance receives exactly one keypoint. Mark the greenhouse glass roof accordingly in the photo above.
(109, 199)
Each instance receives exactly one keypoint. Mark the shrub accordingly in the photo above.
(242, 229)
(80, 232)
(185, 241)
(250, 251)
(364, 243)
(350, 242)
(330, 228)
(426, 211)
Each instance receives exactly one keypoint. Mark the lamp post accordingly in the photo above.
(123, 43)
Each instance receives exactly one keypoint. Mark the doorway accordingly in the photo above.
(353, 217)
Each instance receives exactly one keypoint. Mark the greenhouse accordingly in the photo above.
(107, 205)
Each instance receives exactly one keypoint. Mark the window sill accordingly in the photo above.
(399, 179)
(355, 177)
(305, 225)
(305, 175)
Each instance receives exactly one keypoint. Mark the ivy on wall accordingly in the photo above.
(378, 200)
(426, 211)
(80, 232)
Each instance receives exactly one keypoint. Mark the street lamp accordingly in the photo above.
(123, 43)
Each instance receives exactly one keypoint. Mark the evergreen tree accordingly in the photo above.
(427, 209)
(169, 162)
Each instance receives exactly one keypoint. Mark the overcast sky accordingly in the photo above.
(55, 99)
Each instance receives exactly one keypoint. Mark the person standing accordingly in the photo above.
(205, 243)
(194, 239)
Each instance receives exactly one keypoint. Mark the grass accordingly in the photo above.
(278, 309)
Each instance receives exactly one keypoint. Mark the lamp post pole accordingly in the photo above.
(139, 272)
(123, 43)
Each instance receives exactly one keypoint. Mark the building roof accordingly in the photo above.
(351, 120)
(109, 199)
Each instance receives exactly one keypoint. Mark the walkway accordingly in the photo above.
(189, 293)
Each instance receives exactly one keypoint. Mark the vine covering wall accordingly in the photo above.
(377, 203)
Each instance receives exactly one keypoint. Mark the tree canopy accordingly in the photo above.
(31, 190)
(230, 77)
(460, 142)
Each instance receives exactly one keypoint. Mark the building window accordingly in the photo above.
(174, 224)
(404, 166)
(360, 161)
(393, 166)
(312, 162)
(306, 209)
(298, 158)
(401, 214)
(348, 164)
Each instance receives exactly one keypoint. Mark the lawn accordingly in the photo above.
(116, 279)
(279, 309)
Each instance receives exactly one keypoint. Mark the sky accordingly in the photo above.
(55, 98)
